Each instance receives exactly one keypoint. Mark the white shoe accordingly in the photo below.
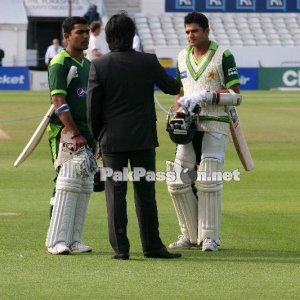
(78, 247)
(182, 243)
(60, 248)
(209, 245)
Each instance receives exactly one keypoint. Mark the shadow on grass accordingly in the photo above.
(224, 255)
(244, 255)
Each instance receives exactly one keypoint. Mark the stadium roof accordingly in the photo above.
(13, 12)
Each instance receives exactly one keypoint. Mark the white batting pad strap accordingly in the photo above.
(87, 185)
(67, 179)
(185, 204)
(69, 185)
(211, 170)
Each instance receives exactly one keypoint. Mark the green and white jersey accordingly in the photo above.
(214, 70)
(75, 92)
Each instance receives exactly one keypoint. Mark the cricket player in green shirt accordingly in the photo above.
(72, 145)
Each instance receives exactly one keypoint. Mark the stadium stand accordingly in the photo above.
(239, 29)
(114, 6)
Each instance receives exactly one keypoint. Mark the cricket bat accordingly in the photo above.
(39, 132)
(36, 137)
(239, 139)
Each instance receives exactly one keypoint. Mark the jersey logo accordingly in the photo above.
(232, 71)
(211, 74)
(183, 74)
(81, 92)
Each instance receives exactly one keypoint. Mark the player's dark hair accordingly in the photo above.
(68, 23)
(198, 18)
(120, 30)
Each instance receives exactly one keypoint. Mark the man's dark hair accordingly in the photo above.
(2, 54)
(198, 18)
(120, 30)
(69, 23)
(92, 14)
(95, 25)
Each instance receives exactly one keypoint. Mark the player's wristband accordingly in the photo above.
(61, 109)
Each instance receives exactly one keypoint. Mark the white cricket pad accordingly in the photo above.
(185, 204)
(210, 199)
(81, 207)
(68, 188)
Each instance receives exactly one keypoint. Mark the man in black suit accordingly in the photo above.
(121, 115)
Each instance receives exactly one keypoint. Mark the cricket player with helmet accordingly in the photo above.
(206, 72)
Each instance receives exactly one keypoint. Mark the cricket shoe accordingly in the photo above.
(182, 243)
(60, 248)
(209, 245)
(78, 247)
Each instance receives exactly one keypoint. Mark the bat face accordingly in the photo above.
(35, 139)
(239, 139)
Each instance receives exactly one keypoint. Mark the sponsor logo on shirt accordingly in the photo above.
(81, 92)
(232, 71)
(183, 74)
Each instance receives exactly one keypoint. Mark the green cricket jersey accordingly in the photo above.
(74, 86)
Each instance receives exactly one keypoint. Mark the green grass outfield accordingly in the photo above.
(260, 253)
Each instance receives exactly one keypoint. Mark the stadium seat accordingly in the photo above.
(229, 29)
(274, 42)
(288, 43)
(145, 35)
(262, 43)
(160, 42)
(237, 43)
(250, 42)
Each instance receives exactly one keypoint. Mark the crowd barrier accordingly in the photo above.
(14, 78)
(21, 78)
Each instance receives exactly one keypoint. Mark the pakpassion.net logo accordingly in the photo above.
(185, 176)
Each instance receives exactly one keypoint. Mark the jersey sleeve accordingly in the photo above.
(57, 79)
(231, 75)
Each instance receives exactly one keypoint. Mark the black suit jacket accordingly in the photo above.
(120, 102)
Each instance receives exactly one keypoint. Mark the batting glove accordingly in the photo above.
(192, 100)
